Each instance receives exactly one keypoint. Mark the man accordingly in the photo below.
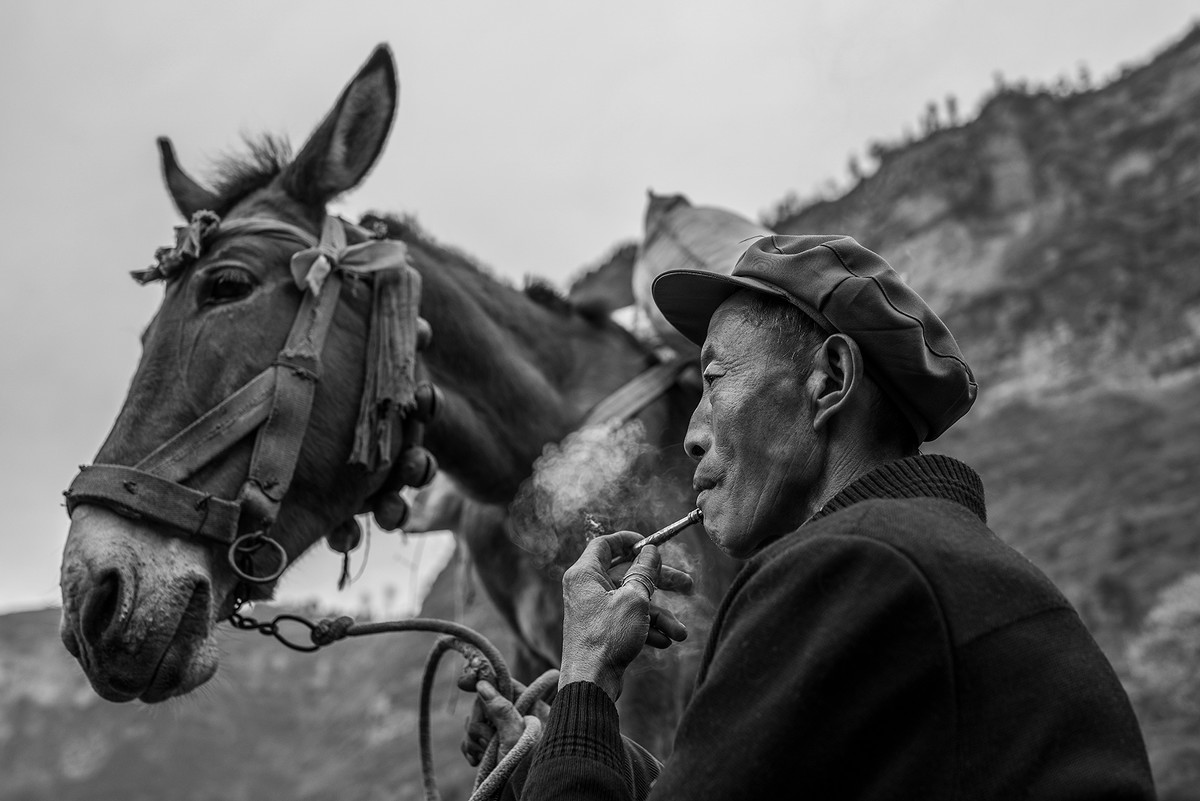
(880, 641)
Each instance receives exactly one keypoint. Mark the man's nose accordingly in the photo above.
(698, 438)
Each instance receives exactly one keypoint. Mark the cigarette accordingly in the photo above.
(661, 536)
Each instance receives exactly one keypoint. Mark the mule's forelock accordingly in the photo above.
(237, 175)
(336, 157)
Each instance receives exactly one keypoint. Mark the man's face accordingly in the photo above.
(758, 456)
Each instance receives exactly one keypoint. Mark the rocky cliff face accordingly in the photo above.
(1058, 233)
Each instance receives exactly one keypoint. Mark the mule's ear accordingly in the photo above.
(346, 144)
(187, 194)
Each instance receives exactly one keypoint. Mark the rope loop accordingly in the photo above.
(483, 660)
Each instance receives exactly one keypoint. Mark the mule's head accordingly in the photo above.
(140, 598)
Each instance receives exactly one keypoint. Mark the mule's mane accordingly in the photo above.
(540, 318)
(237, 175)
(538, 290)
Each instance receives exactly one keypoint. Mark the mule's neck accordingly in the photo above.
(516, 374)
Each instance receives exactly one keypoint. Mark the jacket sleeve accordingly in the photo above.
(582, 754)
(829, 676)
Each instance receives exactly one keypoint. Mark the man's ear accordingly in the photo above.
(837, 378)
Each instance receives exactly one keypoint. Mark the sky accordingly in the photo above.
(527, 135)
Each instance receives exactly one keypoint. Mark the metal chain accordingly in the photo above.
(483, 662)
(270, 628)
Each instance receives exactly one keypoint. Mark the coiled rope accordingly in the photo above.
(483, 661)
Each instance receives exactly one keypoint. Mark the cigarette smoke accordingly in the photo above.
(589, 483)
(602, 479)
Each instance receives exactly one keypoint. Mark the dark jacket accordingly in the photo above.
(892, 647)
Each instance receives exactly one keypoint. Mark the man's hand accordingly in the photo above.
(494, 714)
(606, 624)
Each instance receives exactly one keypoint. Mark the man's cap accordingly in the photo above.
(845, 288)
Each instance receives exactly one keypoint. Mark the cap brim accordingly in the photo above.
(689, 298)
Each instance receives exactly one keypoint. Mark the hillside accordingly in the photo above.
(1057, 232)
(274, 724)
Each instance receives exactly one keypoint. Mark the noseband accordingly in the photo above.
(278, 401)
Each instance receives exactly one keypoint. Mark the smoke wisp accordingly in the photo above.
(591, 482)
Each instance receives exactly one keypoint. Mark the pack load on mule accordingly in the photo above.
(680, 236)
(300, 370)
(676, 235)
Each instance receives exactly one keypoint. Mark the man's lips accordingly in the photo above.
(703, 490)
(703, 475)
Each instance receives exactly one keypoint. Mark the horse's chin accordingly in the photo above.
(181, 667)
(138, 608)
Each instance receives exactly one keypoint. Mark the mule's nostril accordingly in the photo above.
(101, 606)
(71, 642)
(196, 615)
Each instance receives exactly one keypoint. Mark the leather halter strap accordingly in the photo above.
(638, 393)
(277, 402)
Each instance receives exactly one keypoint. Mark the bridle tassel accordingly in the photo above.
(278, 401)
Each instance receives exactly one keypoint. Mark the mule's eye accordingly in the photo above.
(227, 285)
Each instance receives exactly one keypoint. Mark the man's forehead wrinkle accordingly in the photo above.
(720, 329)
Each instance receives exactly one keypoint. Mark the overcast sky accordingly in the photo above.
(527, 135)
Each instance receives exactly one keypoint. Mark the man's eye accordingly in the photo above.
(227, 286)
(711, 376)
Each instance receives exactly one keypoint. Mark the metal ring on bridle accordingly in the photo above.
(256, 540)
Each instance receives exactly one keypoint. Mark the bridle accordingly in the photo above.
(396, 401)
(277, 402)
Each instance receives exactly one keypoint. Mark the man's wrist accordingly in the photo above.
(604, 678)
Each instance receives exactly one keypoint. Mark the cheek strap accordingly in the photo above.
(278, 401)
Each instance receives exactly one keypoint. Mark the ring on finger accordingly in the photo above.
(641, 578)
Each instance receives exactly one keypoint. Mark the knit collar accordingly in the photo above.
(921, 476)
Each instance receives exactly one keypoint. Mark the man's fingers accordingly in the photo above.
(664, 621)
(480, 733)
(656, 639)
(669, 578)
(674, 580)
(639, 577)
(602, 549)
(504, 716)
(472, 755)
(643, 574)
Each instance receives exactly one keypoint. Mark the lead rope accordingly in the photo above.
(483, 661)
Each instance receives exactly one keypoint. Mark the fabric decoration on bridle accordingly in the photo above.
(395, 401)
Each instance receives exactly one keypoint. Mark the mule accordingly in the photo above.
(516, 371)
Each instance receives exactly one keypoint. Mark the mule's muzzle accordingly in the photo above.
(126, 654)
(139, 627)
